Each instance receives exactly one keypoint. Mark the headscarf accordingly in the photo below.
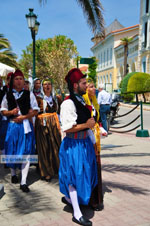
(94, 101)
(37, 92)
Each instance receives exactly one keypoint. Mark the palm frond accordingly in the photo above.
(93, 12)
(4, 43)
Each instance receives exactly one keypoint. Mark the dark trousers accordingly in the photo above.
(104, 110)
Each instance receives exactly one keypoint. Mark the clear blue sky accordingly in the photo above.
(63, 17)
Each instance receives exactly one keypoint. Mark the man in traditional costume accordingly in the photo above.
(78, 168)
(19, 106)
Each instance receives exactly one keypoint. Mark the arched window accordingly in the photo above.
(104, 58)
(110, 55)
(106, 78)
(144, 64)
(107, 56)
(110, 78)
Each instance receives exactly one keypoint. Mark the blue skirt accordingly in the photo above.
(78, 168)
(18, 143)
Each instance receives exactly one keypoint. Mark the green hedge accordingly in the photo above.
(124, 82)
(139, 82)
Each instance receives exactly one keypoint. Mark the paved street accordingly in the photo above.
(126, 186)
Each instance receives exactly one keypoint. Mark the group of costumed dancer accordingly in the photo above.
(77, 158)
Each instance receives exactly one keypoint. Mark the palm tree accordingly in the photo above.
(125, 42)
(6, 55)
(92, 10)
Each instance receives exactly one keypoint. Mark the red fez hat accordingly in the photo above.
(9, 75)
(74, 75)
(18, 73)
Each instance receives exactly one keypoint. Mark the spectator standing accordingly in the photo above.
(104, 101)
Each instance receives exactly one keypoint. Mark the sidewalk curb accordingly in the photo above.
(132, 106)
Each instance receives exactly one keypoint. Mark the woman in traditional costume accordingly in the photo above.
(19, 106)
(96, 201)
(48, 136)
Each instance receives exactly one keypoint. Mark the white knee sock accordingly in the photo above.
(74, 200)
(24, 172)
(13, 172)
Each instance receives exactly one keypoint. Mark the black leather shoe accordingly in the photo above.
(48, 179)
(99, 207)
(24, 188)
(14, 179)
(82, 221)
(66, 202)
(42, 178)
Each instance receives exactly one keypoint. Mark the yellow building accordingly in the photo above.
(108, 52)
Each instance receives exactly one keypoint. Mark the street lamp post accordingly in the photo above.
(33, 25)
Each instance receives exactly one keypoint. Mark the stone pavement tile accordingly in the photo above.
(125, 172)
(25, 225)
(46, 222)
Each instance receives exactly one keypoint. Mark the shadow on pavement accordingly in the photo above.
(26, 203)
(111, 146)
(124, 187)
(133, 169)
(124, 155)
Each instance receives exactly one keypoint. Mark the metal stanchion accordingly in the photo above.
(142, 132)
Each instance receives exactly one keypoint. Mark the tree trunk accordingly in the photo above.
(137, 100)
(144, 98)
(125, 58)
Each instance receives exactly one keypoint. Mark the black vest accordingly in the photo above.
(82, 111)
(23, 102)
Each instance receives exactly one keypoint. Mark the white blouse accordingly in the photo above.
(68, 115)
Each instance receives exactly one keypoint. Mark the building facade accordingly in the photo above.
(144, 37)
(132, 58)
(110, 54)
